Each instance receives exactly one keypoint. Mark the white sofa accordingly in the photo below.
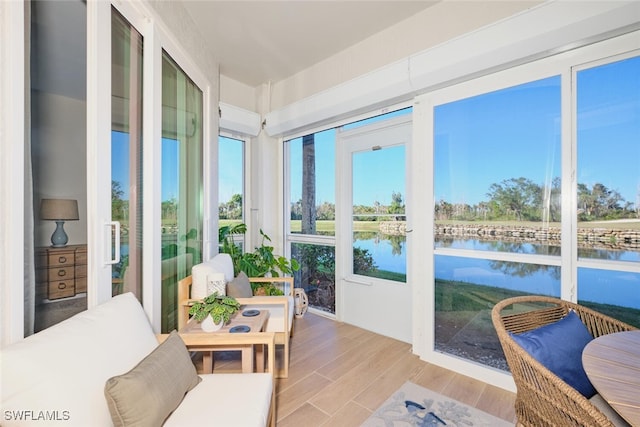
(281, 308)
(58, 376)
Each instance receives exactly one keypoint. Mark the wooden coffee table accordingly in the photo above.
(237, 321)
(612, 363)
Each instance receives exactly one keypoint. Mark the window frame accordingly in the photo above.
(245, 176)
(563, 65)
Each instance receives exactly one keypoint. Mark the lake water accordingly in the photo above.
(602, 286)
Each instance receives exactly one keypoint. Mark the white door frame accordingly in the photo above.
(382, 306)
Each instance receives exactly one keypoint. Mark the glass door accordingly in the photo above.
(182, 183)
(126, 156)
(375, 257)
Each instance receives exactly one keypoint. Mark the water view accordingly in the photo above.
(389, 255)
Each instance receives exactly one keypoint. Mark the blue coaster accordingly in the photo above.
(239, 329)
(250, 313)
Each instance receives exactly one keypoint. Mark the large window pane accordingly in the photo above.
(609, 161)
(466, 289)
(312, 178)
(615, 293)
(316, 274)
(378, 215)
(497, 189)
(497, 177)
(182, 183)
(231, 180)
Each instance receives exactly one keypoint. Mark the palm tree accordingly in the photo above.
(308, 185)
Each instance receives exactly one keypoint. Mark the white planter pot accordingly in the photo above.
(208, 325)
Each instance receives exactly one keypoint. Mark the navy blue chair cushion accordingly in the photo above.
(558, 346)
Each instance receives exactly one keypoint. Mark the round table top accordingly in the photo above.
(612, 363)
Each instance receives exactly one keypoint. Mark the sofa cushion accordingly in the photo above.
(148, 393)
(558, 346)
(64, 368)
(240, 287)
(226, 400)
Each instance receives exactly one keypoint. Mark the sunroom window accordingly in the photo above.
(497, 186)
(535, 189)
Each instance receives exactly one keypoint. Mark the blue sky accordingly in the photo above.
(120, 164)
(486, 139)
(230, 168)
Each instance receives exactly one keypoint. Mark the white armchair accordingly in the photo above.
(281, 308)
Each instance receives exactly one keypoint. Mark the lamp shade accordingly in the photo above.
(59, 209)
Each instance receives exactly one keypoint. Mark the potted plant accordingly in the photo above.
(260, 263)
(214, 309)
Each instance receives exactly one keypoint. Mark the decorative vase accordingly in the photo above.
(207, 324)
(301, 301)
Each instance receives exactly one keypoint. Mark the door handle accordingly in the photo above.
(114, 226)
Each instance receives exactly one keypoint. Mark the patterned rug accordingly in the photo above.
(412, 405)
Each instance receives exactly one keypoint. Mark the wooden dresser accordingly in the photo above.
(61, 272)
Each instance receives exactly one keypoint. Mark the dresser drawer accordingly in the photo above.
(59, 259)
(61, 289)
(62, 273)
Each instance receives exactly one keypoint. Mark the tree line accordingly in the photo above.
(521, 199)
(518, 199)
(327, 211)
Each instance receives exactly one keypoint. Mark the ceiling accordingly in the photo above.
(265, 41)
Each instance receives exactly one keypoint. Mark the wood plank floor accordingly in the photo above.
(339, 374)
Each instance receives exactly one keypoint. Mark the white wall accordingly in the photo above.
(238, 94)
(59, 160)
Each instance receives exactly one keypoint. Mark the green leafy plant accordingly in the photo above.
(219, 307)
(260, 263)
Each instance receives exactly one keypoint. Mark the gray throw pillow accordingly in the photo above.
(153, 389)
(240, 287)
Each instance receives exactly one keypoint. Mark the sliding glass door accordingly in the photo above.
(126, 155)
(181, 183)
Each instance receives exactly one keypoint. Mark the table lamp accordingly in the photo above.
(59, 210)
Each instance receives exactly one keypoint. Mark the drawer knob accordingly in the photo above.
(62, 259)
(62, 273)
(62, 285)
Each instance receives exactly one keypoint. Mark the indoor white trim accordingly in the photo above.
(12, 135)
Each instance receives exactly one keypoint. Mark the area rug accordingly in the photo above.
(413, 405)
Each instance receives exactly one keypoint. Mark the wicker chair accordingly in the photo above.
(543, 399)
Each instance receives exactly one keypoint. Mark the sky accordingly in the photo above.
(230, 168)
(482, 140)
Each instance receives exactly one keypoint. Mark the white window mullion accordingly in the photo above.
(98, 151)
(569, 226)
